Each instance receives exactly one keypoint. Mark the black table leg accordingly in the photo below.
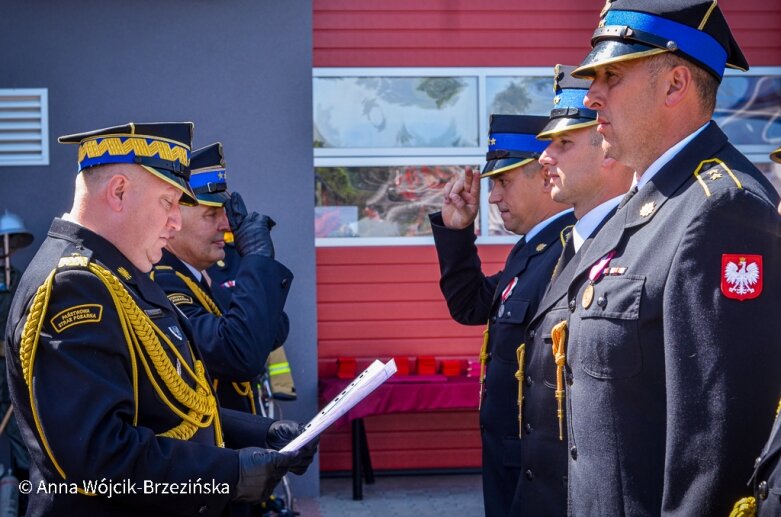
(368, 471)
(358, 433)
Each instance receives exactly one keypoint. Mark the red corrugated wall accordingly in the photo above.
(385, 301)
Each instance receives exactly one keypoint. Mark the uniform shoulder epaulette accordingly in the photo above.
(713, 173)
(564, 234)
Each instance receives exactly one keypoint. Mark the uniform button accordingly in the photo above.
(527, 428)
(284, 284)
(601, 301)
(757, 461)
(203, 509)
(529, 380)
(493, 319)
(532, 333)
(572, 305)
(762, 490)
(508, 314)
(574, 452)
(529, 475)
(489, 355)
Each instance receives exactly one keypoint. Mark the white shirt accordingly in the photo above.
(589, 222)
(194, 271)
(660, 162)
(537, 228)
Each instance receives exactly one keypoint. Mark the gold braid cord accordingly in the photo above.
(483, 361)
(244, 389)
(746, 507)
(559, 338)
(520, 355)
(145, 338)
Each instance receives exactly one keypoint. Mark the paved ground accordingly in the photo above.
(419, 496)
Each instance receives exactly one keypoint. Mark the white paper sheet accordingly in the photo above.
(356, 391)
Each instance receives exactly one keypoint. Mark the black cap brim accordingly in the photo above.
(188, 196)
(613, 51)
(213, 198)
(497, 167)
(562, 124)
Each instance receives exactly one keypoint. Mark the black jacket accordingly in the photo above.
(93, 413)
(674, 381)
(473, 299)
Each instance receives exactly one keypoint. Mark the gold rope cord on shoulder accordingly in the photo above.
(483, 361)
(521, 356)
(143, 336)
(559, 338)
(244, 389)
(746, 507)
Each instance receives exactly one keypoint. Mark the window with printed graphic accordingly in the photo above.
(384, 111)
(379, 201)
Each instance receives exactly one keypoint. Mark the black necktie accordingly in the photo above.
(627, 197)
(567, 252)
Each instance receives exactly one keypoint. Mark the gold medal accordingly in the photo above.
(588, 296)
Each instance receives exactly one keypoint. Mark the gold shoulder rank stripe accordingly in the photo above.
(162, 268)
(180, 298)
(714, 173)
(76, 315)
(73, 261)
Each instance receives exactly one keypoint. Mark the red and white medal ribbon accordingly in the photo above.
(506, 294)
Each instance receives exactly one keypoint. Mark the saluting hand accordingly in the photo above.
(462, 200)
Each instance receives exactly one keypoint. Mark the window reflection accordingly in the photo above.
(748, 109)
(378, 201)
(519, 95)
(352, 112)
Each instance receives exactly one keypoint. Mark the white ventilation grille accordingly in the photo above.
(24, 127)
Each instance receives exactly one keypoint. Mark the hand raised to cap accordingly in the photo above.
(461, 200)
(251, 232)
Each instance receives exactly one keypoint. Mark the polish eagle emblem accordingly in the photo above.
(742, 276)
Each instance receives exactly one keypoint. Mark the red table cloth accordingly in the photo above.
(408, 394)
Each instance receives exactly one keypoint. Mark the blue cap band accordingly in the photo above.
(573, 98)
(201, 179)
(692, 42)
(516, 142)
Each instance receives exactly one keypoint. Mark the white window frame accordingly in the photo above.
(43, 157)
(404, 156)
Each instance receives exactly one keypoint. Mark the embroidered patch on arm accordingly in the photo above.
(742, 276)
(180, 299)
(76, 315)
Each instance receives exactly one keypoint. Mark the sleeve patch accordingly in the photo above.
(76, 315)
(180, 299)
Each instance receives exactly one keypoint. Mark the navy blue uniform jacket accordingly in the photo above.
(674, 381)
(472, 299)
(85, 400)
(235, 345)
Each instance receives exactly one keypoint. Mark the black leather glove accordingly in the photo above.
(260, 470)
(282, 432)
(251, 232)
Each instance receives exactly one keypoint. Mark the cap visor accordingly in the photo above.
(496, 167)
(213, 198)
(776, 155)
(188, 196)
(563, 124)
(612, 51)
